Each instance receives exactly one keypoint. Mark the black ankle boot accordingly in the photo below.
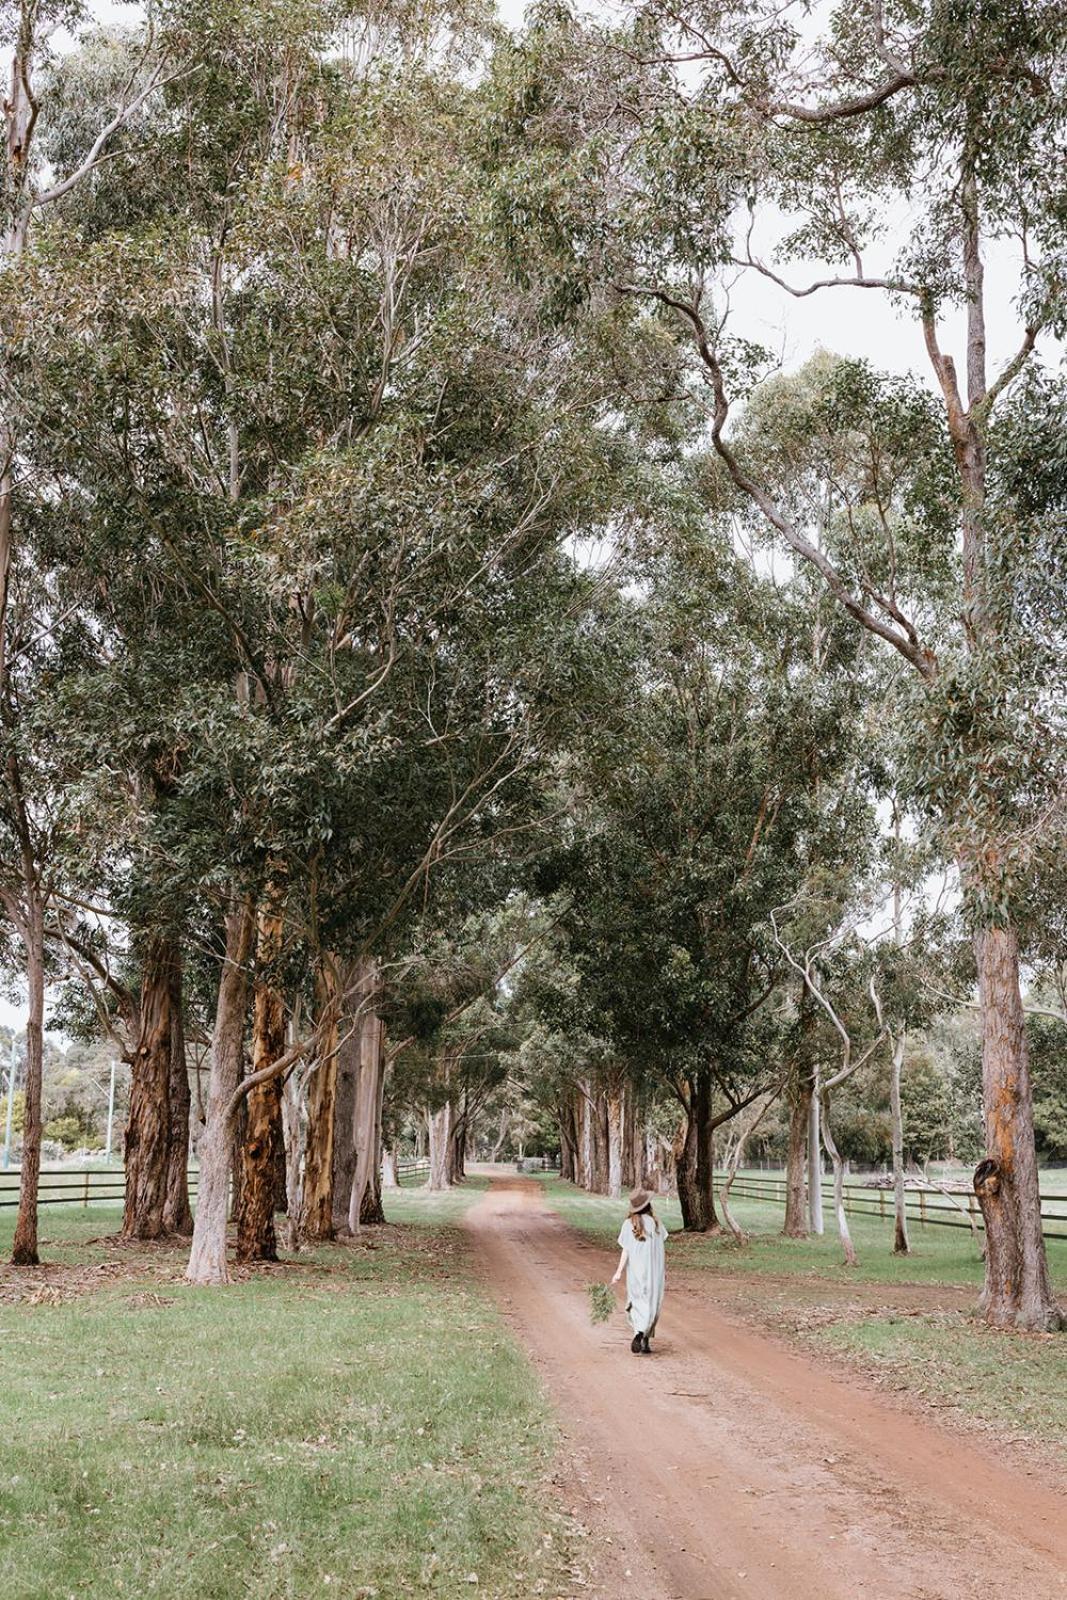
(636, 1343)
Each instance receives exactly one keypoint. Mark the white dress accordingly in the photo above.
(645, 1269)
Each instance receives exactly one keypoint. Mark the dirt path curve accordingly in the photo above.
(728, 1468)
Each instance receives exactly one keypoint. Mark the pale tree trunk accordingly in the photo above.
(263, 1174)
(439, 1123)
(316, 1211)
(293, 1127)
(815, 1216)
(901, 1246)
(364, 1200)
(585, 1148)
(1017, 1291)
(207, 1258)
(31, 929)
(851, 1259)
(390, 1180)
(177, 1212)
(148, 1128)
(615, 1112)
(748, 1126)
(501, 1136)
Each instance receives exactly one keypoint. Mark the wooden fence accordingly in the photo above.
(82, 1186)
(929, 1207)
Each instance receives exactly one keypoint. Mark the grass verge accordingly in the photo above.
(356, 1422)
(904, 1321)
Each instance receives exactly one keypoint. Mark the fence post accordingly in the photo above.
(85, 1200)
(881, 1202)
(922, 1207)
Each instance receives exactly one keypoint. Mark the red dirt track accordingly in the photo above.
(725, 1467)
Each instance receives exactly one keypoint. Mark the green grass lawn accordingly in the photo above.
(939, 1255)
(356, 1423)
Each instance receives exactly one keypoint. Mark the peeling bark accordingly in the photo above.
(1017, 1291)
(148, 1128)
(317, 1210)
(439, 1125)
(901, 1247)
(177, 1212)
(364, 1201)
(207, 1258)
(31, 929)
(263, 1175)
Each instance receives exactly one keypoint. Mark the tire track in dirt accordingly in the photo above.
(728, 1468)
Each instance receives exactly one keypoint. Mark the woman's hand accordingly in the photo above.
(617, 1276)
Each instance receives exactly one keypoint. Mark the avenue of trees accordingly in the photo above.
(458, 691)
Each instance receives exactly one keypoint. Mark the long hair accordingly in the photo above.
(636, 1223)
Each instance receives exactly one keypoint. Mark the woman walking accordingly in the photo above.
(641, 1241)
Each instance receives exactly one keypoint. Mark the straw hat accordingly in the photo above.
(640, 1199)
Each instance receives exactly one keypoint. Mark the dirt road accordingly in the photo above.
(725, 1467)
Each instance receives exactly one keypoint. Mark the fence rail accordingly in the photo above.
(928, 1207)
(82, 1186)
(76, 1186)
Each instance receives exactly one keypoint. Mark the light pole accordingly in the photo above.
(10, 1102)
(110, 1112)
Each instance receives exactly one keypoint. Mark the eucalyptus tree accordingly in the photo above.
(697, 811)
(695, 143)
(321, 468)
(40, 169)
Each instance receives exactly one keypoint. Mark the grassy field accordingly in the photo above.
(357, 1423)
(925, 1344)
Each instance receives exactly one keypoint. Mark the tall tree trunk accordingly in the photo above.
(801, 1089)
(457, 1141)
(599, 1116)
(501, 1136)
(690, 1197)
(901, 1246)
(585, 1131)
(293, 1125)
(148, 1128)
(796, 1220)
(177, 1212)
(317, 1220)
(567, 1140)
(633, 1142)
(264, 1146)
(815, 1216)
(615, 1132)
(440, 1128)
(832, 1151)
(31, 929)
(207, 1259)
(344, 1116)
(1017, 1291)
(390, 1179)
(364, 1200)
(705, 1173)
